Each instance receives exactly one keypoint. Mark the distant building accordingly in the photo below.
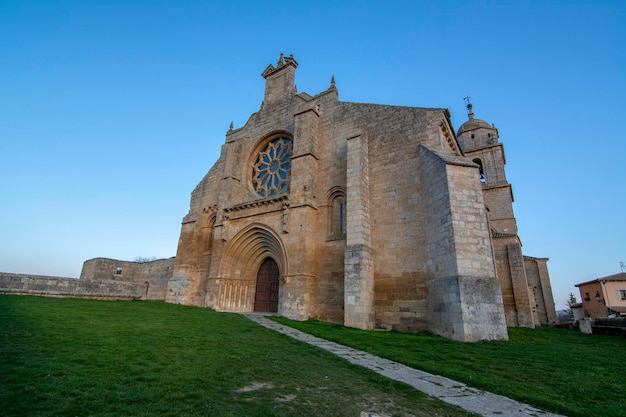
(604, 296)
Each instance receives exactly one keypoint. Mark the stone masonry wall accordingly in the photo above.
(464, 300)
(151, 276)
(397, 222)
(69, 287)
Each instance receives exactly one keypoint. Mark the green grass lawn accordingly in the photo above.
(71, 357)
(558, 370)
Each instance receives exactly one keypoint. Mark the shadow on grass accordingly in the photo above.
(63, 357)
(559, 370)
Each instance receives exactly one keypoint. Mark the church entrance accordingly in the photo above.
(266, 296)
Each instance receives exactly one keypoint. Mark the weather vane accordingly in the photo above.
(470, 114)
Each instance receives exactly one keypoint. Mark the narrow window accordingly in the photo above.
(208, 235)
(478, 162)
(337, 225)
(341, 229)
(338, 220)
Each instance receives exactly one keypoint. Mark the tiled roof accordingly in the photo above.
(615, 277)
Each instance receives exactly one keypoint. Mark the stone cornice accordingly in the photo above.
(258, 203)
(502, 184)
(305, 154)
(449, 135)
(482, 148)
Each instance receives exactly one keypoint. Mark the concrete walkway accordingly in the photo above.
(452, 392)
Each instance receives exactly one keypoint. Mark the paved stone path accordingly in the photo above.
(452, 392)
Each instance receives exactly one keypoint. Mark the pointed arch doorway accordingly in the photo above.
(266, 294)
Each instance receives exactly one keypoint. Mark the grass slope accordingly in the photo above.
(554, 369)
(70, 357)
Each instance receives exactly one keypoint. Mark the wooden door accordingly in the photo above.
(266, 295)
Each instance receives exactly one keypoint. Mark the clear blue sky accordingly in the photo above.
(111, 112)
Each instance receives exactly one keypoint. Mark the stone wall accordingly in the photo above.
(151, 276)
(100, 278)
(68, 287)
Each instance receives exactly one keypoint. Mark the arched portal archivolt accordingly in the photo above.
(240, 264)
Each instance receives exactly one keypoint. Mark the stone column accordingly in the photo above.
(358, 264)
(299, 220)
(546, 290)
(523, 303)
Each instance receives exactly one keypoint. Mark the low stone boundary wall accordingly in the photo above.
(609, 325)
(69, 287)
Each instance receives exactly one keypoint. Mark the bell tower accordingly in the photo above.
(479, 142)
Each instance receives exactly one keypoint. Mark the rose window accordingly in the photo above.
(271, 171)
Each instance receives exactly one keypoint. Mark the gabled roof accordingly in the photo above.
(615, 277)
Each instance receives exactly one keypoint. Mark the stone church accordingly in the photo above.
(367, 215)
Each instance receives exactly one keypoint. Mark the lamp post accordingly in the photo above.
(606, 295)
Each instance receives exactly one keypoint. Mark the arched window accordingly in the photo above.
(337, 214)
(208, 235)
(478, 162)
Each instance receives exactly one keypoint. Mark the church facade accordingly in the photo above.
(371, 216)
